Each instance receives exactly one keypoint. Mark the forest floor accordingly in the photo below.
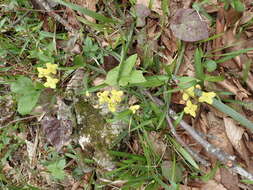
(138, 94)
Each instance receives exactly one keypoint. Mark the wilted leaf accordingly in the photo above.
(57, 132)
(187, 25)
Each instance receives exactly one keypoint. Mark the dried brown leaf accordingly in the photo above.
(218, 137)
(187, 25)
(235, 134)
(57, 132)
(211, 185)
(158, 144)
(155, 5)
(229, 179)
(110, 62)
(241, 93)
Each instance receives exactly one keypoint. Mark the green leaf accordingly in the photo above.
(124, 80)
(137, 77)
(214, 78)
(198, 65)
(210, 65)
(186, 79)
(57, 169)
(124, 73)
(79, 60)
(247, 181)
(87, 12)
(22, 85)
(165, 7)
(27, 102)
(238, 5)
(112, 76)
(128, 65)
(185, 154)
(232, 113)
(187, 82)
(152, 81)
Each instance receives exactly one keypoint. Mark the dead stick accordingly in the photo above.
(224, 157)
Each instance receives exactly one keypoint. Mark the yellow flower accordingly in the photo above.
(103, 97)
(112, 107)
(207, 97)
(51, 82)
(116, 96)
(42, 72)
(87, 94)
(51, 68)
(112, 98)
(189, 92)
(190, 108)
(198, 86)
(185, 96)
(134, 108)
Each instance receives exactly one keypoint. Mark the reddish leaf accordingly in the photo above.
(187, 25)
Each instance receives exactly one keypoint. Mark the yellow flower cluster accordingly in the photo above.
(207, 97)
(191, 108)
(134, 108)
(46, 72)
(112, 98)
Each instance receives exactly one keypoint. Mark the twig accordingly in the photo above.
(224, 157)
(17, 120)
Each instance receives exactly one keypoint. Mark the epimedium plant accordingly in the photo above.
(211, 98)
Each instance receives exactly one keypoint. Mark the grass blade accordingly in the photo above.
(232, 113)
